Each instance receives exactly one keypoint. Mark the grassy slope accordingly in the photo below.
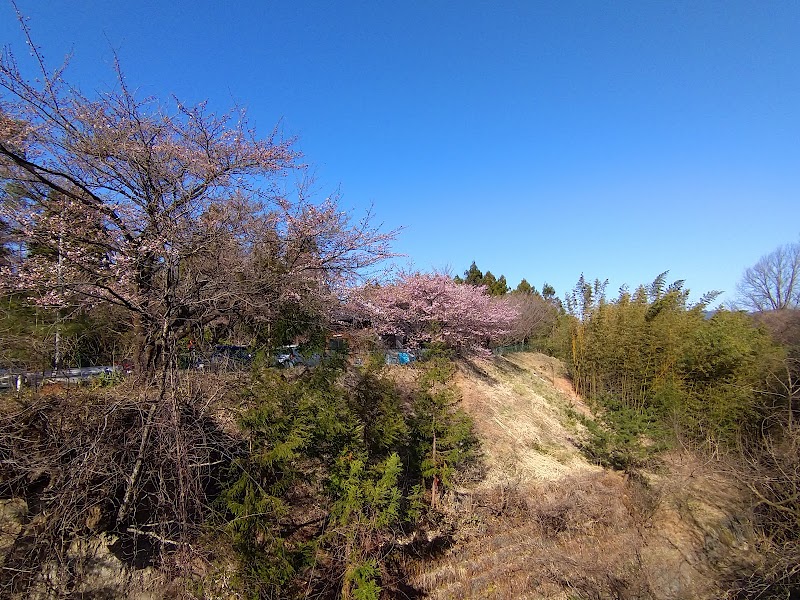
(545, 523)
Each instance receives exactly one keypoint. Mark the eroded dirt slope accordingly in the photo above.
(545, 523)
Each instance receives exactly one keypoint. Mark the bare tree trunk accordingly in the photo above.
(435, 483)
(154, 351)
(133, 480)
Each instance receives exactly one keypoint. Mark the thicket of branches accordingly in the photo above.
(69, 456)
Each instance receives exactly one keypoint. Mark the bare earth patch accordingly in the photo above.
(520, 417)
(547, 524)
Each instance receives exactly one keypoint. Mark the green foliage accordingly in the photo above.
(652, 359)
(352, 447)
(473, 275)
(254, 499)
(624, 438)
(548, 291)
(437, 368)
(495, 286)
(586, 296)
(727, 361)
(292, 321)
(363, 579)
(376, 403)
(500, 287)
(108, 379)
(489, 280)
(525, 288)
(443, 436)
(27, 335)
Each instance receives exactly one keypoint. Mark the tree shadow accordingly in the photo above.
(474, 369)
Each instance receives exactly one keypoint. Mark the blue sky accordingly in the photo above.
(542, 140)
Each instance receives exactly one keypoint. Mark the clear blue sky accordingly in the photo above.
(540, 139)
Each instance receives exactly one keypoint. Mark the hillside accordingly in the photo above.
(518, 403)
(533, 519)
(545, 523)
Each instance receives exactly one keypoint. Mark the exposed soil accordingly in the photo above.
(545, 523)
(518, 403)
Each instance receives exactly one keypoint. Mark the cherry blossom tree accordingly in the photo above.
(177, 217)
(425, 308)
(174, 214)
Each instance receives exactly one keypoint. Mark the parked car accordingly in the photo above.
(288, 356)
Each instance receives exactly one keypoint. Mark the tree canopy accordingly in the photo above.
(172, 213)
(425, 308)
(495, 286)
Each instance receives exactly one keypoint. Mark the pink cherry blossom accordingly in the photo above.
(424, 308)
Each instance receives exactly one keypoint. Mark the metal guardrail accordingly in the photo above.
(14, 379)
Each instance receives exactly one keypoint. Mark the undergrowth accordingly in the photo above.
(309, 493)
(622, 438)
(336, 466)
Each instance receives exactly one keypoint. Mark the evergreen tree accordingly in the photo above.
(473, 275)
(500, 288)
(350, 446)
(525, 288)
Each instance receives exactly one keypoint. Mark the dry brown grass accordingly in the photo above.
(547, 524)
(599, 535)
(519, 415)
(577, 536)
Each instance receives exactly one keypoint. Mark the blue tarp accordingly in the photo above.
(399, 357)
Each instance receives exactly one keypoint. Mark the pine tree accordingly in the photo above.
(548, 292)
(473, 275)
(500, 288)
(525, 288)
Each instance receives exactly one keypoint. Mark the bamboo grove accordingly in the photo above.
(703, 374)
